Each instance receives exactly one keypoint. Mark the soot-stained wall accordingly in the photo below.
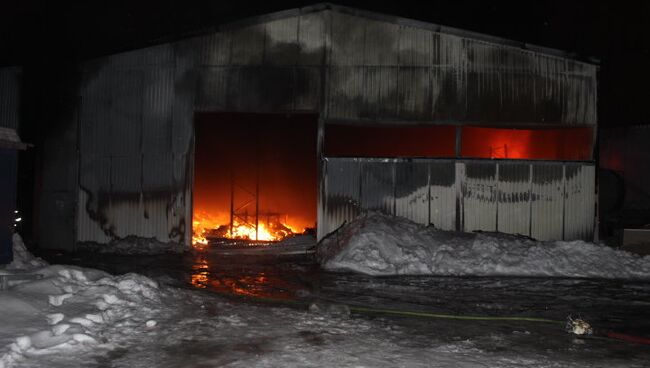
(136, 110)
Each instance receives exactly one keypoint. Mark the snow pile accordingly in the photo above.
(23, 259)
(377, 244)
(73, 309)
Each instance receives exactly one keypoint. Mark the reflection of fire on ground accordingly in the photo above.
(206, 227)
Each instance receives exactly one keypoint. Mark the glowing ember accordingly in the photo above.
(205, 226)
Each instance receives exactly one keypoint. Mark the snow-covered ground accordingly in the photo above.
(376, 244)
(80, 317)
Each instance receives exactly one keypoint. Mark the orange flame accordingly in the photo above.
(204, 225)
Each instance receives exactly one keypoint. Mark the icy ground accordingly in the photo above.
(376, 244)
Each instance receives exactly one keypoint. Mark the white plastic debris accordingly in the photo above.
(578, 326)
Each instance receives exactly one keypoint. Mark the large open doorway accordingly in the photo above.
(255, 176)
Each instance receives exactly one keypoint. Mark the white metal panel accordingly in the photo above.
(579, 203)
(479, 190)
(547, 196)
(443, 194)
(514, 198)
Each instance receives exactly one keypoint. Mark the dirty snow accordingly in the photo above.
(79, 317)
(376, 244)
(23, 259)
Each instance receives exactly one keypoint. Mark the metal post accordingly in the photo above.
(232, 200)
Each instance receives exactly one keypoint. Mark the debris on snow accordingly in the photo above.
(377, 244)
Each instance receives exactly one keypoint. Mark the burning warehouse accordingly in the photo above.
(308, 117)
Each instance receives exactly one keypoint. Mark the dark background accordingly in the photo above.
(52, 35)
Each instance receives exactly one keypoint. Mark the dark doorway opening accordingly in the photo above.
(255, 175)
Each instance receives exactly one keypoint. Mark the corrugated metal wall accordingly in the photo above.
(542, 199)
(137, 110)
(400, 72)
(10, 97)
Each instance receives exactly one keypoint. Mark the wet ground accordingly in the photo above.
(609, 305)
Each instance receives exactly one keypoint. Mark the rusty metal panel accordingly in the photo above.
(412, 190)
(342, 198)
(479, 190)
(579, 202)
(378, 185)
(547, 196)
(10, 83)
(247, 47)
(281, 45)
(514, 198)
(443, 194)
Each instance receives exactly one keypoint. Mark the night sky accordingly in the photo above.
(48, 35)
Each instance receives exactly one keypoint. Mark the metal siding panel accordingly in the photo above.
(213, 49)
(379, 93)
(260, 89)
(345, 92)
(479, 190)
(412, 190)
(307, 89)
(348, 39)
(415, 47)
(281, 45)
(378, 186)
(248, 45)
(443, 194)
(414, 96)
(342, 196)
(126, 113)
(514, 198)
(126, 174)
(547, 196)
(157, 173)
(312, 38)
(10, 90)
(448, 78)
(157, 110)
(579, 203)
(381, 44)
(212, 89)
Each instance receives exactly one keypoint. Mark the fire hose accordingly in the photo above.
(576, 326)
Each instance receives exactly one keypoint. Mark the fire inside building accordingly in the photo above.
(299, 121)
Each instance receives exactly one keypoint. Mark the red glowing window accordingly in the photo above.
(540, 144)
(390, 141)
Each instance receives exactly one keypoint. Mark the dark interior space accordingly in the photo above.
(236, 152)
(390, 141)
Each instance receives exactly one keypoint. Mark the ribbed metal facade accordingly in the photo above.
(137, 109)
(541, 199)
(10, 82)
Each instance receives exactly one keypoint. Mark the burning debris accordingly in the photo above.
(270, 229)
